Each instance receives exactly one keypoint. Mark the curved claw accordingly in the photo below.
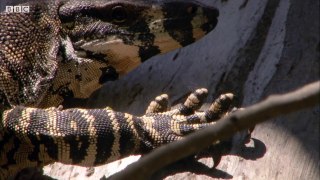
(193, 102)
(159, 104)
(219, 107)
(163, 126)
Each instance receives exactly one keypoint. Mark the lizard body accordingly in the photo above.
(80, 47)
(63, 51)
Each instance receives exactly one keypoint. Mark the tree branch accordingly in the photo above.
(273, 106)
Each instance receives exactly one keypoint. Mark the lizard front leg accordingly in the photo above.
(89, 137)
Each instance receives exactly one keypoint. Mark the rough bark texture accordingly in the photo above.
(258, 48)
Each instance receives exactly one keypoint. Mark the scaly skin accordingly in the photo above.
(63, 51)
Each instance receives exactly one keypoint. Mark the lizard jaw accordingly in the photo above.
(103, 44)
(162, 28)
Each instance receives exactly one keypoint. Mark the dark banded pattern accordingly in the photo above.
(91, 137)
(64, 50)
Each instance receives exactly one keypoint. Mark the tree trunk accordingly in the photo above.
(258, 48)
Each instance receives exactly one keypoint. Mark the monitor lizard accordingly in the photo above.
(63, 51)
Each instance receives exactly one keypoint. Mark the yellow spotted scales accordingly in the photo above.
(62, 51)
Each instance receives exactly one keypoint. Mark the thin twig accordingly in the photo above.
(273, 106)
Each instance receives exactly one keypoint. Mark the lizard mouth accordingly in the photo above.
(161, 36)
(154, 30)
(184, 22)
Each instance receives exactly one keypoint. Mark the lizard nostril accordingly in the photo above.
(119, 14)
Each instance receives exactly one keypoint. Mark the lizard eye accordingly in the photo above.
(69, 25)
(119, 14)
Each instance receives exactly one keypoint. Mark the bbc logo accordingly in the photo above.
(17, 9)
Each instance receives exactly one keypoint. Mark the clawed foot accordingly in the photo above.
(188, 110)
(165, 125)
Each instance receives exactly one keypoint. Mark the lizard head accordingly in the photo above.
(67, 49)
(125, 33)
(109, 38)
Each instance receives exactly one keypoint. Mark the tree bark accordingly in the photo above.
(258, 48)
